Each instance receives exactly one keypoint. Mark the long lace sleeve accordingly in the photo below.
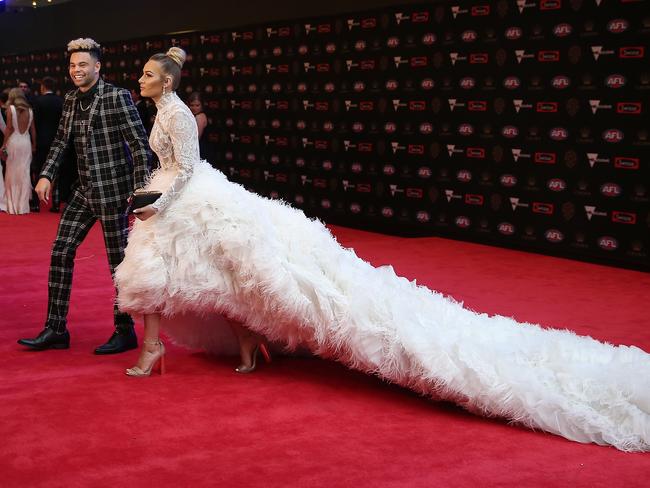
(182, 131)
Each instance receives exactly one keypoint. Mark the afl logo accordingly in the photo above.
(428, 39)
(387, 212)
(360, 45)
(389, 169)
(427, 84)
(469, 36)
(554, 236)
(616, 26)
(508, 180)
(303, 49)
(357, 127)
(506, 228)
(329, 87)
(301, 124)
(424, 172)
(615, 81)
(302, 87)
(426, 128)
(558, 134)
(390, 127)
(325, 203)
(610, 190)
(277, 51)
(230, 55)
(467, 83)
(608, 243)
(556, 184)
(613, 135)
(252, 53)
(230, 88)
(391, 85)
(509, 131)
(330, 48)
(423, 216)
(356, 168)
(462, 222)
(327, 165)
(561, 82)
(392, 41)
(275, 123)
(562, 30)
(464, 176)
(511, 83)
(359, 86)
(328, 126)
(278, 87)
(355, 208)
(514, 33)
(465, 129)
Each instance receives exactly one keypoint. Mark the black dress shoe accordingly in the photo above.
(47, 339)
(120, 341)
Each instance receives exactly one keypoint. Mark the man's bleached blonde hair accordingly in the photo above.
(85, 45)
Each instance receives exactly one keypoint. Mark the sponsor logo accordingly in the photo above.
(520, 54)
(620, 217)
(456, 11)
(451, 149)
(556, 184)
(628, 108)
(596, 105)
(554, 236)
(591, 212)
(472, 199)
(455, 57)
(613, 135)
(480, 10)
(450, 195)
(593, 159)
(547, 107)
(548, 56)
(598, 51)
(479, 58)
(607, 243)
(622, 162)
(631, 52)
(550, 4)
(475, 152)
(545, 158)
(517, 154)
(414, 193)
(515, 203)
(506, 228)
(477, 106)
(543, 208)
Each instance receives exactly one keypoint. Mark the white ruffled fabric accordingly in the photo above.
(218, 250)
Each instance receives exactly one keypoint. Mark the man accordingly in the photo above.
(98, 119)
(47, 113)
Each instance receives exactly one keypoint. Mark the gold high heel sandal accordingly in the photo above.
(261, 346)
(158, 359)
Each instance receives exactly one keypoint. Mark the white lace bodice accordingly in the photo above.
(174, 138)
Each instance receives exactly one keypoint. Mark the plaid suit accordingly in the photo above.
(108, 174)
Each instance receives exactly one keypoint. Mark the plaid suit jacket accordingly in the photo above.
(113, 169)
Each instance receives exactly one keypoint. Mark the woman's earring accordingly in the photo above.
(164, 90)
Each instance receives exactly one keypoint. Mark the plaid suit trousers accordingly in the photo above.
(76, 221)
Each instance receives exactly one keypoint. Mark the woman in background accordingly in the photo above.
(195, 103)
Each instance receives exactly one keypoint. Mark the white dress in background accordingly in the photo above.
(3, 198)
(18, 186)
(218, 249)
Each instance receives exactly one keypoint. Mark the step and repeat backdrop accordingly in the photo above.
(517, 123)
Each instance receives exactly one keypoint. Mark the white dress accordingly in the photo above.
(3, 198)
(18, 185)
(218, 249)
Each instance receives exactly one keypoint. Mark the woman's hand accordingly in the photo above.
(145, 212)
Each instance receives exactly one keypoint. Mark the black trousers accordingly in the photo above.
(76, 221)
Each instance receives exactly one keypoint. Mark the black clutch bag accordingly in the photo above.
(142, 199)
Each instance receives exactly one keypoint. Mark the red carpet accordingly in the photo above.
(70, 418)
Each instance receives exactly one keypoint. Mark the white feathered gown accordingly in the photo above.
(218, 249)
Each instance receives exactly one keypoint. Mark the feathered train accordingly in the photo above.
(219, 249)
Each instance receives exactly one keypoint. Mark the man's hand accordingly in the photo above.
(145, 212)
(43, 189)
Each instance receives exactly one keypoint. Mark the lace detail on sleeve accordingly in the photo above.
(181, 129)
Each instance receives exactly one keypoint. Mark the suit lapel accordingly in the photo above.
(93, 108)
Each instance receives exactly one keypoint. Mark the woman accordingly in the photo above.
(209, 246)
(196, 106)
(19, 144)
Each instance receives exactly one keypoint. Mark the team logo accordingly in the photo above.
(426, 128)
(392, 41)
(554, 236)
(387, 212)
(610, 190)
(423, 216)
(467, 83)
(608, 243)
(463, 222)
(427, 84)
(510, 131)
(428, 39)
(357, 127)
(391, 85)
(424, 172)
(465, 129)
(389, 169)
(511, 83)
(390, 127)
(613, 136)
(469, 36)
